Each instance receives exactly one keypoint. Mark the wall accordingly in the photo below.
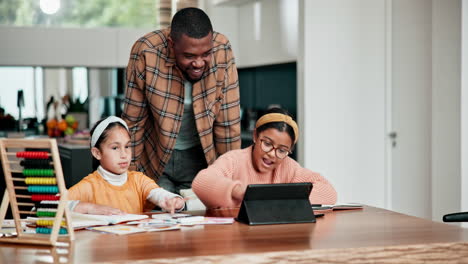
(411, 106)
(464, 109)
(97, 47)
(341, 95)
(446, 107)
(266, 31)
(225, 19)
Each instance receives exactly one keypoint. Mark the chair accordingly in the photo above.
(456, 217)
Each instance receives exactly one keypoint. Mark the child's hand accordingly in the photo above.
(90, 208)
(172, 204)
(239, 191)
(104, 210)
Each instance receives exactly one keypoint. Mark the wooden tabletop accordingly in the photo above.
(334, 235)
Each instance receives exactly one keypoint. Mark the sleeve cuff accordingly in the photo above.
(72, 204)
(158, 195)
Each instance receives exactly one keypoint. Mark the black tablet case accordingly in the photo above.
(283, 203)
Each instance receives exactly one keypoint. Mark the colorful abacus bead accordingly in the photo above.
(43, 222)
(42, 181)
(46, 230)
(32, 154)
(42, 197)
(45, 213)
(48, 205)
(36, 163)
(38, 172)
(43, 189)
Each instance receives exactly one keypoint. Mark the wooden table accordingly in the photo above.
(370, 235)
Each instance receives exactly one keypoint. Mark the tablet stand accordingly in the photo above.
(276, 204)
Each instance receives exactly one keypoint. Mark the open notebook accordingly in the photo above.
(86, 220)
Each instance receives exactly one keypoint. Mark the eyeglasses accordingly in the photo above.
(280, 152)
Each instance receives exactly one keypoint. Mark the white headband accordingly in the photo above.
(103, 125)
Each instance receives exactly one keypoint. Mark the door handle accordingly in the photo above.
(393, 136)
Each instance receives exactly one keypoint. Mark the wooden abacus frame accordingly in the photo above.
(10, 197)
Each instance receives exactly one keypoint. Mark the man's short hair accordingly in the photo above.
(192, 22)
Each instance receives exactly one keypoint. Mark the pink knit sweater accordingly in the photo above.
(214, 184)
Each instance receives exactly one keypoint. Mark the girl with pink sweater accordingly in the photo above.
(223, 184)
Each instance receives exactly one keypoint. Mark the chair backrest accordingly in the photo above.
(456, 217)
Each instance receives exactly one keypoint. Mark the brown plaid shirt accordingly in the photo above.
(154, 102)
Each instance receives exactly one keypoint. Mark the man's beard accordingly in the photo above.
(187, 77)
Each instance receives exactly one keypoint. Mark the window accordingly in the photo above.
(82, 13)
(39, 84)
(27, 79)
(80, 83)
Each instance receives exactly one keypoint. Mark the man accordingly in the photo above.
(182, 100)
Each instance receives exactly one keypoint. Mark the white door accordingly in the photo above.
(411, 107)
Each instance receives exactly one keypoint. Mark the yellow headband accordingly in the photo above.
(277, 117)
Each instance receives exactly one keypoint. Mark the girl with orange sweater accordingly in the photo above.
(223, 184)
(112, 188)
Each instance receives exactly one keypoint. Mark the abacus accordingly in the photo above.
(34, 178)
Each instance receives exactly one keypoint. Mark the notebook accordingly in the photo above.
(86, 220)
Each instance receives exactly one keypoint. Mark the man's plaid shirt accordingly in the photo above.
(154, 102)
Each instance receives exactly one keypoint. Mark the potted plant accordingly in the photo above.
(78, 110)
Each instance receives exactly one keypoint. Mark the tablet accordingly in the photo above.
(276, 204)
